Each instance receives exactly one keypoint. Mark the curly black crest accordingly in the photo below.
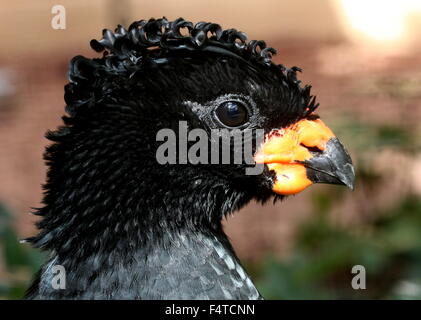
(158, 41)
(156, 38)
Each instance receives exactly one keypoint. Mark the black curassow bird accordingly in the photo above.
(123, 225)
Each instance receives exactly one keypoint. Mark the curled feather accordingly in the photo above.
(154, 38)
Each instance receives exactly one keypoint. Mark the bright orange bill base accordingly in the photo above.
(284, 149)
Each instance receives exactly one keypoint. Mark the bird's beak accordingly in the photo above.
(304, 153)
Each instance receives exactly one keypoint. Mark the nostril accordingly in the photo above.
(312, 149)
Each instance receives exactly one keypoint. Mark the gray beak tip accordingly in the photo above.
(334, 166)
(348, 176)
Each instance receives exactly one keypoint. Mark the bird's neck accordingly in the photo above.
(78, 221)
(136, 250)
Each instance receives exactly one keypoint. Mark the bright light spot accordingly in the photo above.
(381, 20)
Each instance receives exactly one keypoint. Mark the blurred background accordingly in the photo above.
(363, 59)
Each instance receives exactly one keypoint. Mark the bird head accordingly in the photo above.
(197, 82)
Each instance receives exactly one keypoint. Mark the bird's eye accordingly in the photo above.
(232, 114)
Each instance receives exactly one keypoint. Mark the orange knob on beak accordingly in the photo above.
(304, 153)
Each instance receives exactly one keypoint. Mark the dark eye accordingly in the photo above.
(232, 113)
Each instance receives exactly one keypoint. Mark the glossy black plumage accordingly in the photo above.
(184, 267)
(124, 226)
